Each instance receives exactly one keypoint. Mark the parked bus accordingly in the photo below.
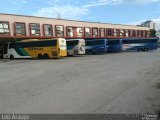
(96, 46)
(75, 47)
(140, 44)
(36, 48)
(114, 45)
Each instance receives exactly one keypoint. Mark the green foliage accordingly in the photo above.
(152, 32)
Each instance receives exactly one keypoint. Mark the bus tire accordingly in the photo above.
(139, 49)
(11, 57)
(40, 56)
(69, 55)
(146, 49)
(91, 52)
(46, 56)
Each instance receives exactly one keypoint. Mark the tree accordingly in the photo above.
(152, 32)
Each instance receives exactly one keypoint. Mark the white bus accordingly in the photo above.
(75, 47)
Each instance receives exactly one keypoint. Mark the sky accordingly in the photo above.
(107, 11)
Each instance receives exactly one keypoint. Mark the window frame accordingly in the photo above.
(67, 31)
(81, 32)
(121, 32)
(15, 33)
(93, 32)
(100, 32)
(9, 33)
(126, 32)
(56, 31)
(131, 32)
(109, 32)
(33, 29)
(44, 34)
(90, 29)
(144, 33)
(117, 32)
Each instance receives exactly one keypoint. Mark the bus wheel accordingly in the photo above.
(46, 56)
(11, 57)
(91, 52)
(140, 49)
(146, 49)
(40, 56)
(68, 54)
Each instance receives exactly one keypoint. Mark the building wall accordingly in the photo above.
(41, 21)
(149, 24)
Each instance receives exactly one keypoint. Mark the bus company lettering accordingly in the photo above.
(62, 45)
(31, 49)
(62, 41)
(15, 117)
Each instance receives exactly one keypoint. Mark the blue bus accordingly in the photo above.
(140, 44)
(115, 45)
(96, 46)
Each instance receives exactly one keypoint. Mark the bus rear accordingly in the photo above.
(114, 45)
(81, 47)
(62, 46)
(140, 44)
(96, 46)
(75, 47)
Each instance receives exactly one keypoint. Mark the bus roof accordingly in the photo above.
(113, 39)
(138, 38)
(33, 40)
(73, 39)
(95, 39)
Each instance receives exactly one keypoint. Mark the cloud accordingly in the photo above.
(117, 2)
(71, 9)
(18, 2)
(140, 2)
(64, 11)
(102, 2)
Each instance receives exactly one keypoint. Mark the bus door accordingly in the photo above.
(1, 51)
(5, 50)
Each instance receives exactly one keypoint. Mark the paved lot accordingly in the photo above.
(112, 83)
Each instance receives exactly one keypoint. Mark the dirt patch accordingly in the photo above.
(4, 60)
(149, 99)
(157, 85)
(158, 113)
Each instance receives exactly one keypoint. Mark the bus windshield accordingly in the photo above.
(72, 43)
